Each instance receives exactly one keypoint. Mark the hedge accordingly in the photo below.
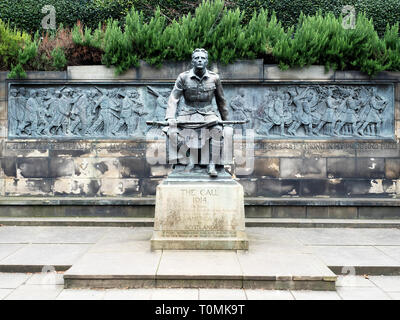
(315, 39)
(26, 14)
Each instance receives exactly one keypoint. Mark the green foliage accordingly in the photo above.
(118, 50)
(11, 41)
(59, 60)
(219, 28)
(321, 39)
(17, 72)
(392, 43)
(87, 37)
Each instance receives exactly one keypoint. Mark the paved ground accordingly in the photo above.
(21, 286)
(377, 249)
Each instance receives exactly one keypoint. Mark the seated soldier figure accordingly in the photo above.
(198, 87)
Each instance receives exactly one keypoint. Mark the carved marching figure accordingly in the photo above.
(346, 113)
(16, 111)
(261, 114)
(329, 116)
(371, 113)
(32, 108)
(304, 102)
(79, 114)
(108, 111)
(131, 113)
(240, 111)
(161, 103)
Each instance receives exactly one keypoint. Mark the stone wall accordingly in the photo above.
(345, 177)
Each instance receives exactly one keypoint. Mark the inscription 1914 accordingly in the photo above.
(199, 196)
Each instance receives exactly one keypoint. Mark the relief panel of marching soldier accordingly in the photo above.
(276, 111)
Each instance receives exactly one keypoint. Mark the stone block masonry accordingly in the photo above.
(357, 158)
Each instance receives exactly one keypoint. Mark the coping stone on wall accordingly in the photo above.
(272, 72)
(241, 70)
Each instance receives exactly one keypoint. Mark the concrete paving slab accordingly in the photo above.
(175, 294)
(315, 295)
(46, 255)
(81, 294)
(50, 278)
(357, 293)
(35, 292)
(332, 236)
(386, 283)
(117, 259)
(353, 281)
(7, 249)
(199, 265)
(282, 266)
(19, 234)
(394, 295)
(51, 234)
(13, 280)
(127, 235)
(391, 251)
(353, 256)
(257, 294)
(70, 234)
(273, 235)
(128, 294)
(222, 294)
(4, 293)
(381, 237)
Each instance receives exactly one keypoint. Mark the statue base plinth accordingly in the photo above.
(196, 212)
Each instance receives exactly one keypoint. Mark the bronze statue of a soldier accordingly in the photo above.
(198, 87)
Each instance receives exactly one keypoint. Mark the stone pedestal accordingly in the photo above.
(197, 212)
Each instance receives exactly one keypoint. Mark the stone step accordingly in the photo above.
(250, 222)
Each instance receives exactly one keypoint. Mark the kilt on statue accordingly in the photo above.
(199, 205)
(198, 142)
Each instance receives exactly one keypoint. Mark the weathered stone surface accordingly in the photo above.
(392, 168)
(80, 187)
(266, 167)
(8, 167)
(148, 186)
(272, 72)
(119, 187)
(29, 187)
(314, 187)
(202, 215)
(370, 167)
(332, 212)
(288, 212)
(341, 168)
(249, 186)
(351, 75)
(278, 187)
(379, 212)
(369, 187)
(46, 75)
(61, 167)
(3, 129)
(33, 168)
(303, 168)
(3, 110)
(97, 168)
(240, 70)
(258, 211)
(3, 90)
(134, 167)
